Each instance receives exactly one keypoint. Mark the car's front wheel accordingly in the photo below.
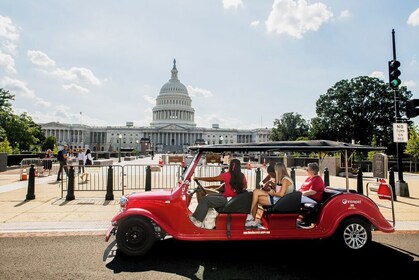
(354, 234)
(135, 236)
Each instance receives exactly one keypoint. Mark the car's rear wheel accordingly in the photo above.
(135, 236)
(354, 234)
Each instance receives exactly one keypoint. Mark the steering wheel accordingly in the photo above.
(199, 188)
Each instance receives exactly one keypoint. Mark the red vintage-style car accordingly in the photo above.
(344, 215)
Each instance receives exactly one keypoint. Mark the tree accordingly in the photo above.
(290, 127)
(5, 111)
(357, 110)
(5, 98)
(5, 147)
(412, 147)
(49, 143)
(20, 131)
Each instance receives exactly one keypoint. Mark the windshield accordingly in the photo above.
(190, 166)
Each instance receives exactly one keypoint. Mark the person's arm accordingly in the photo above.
(244, 182)
(209, 179)
(310, 190)
(285, 183)
(268, 181)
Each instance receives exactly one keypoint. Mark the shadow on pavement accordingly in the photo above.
(268, 260)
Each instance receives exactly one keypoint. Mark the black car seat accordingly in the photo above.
(239, 204)
(289, 203)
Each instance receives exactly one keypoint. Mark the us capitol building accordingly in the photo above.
(172, 130)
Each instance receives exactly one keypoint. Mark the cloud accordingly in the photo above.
(296, 17)
(409, 84)
(42, 103)
(77, 75)
(39, 58)
(255, 23)
(9, 47)
(8, 30)
(345, 14)
(74, 74)
(75, 87)
(17, 87)
(8, 62)
(377, 74)
(414, 18)
(232, 4)
(199, 92)
(149, 99)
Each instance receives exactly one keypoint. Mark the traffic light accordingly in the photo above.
(394, 73)
(412, 108)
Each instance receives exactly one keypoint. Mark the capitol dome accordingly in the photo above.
(173, 104)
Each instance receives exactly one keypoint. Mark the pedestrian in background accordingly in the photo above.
(81, 157)
(62, 159)
(47, 162)
(88, 161)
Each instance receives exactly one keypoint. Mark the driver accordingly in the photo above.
(213, 189)
(235, 183)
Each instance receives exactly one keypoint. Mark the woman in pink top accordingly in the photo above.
(235, 183)
(313, 187)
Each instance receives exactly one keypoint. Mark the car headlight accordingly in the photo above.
(123, 201)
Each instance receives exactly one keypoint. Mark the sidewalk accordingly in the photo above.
(48, 212)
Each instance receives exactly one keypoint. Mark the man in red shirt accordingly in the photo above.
(313, 187)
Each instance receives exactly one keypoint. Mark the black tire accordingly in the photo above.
(135, 236)
(354, 234)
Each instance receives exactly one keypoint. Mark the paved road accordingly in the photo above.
(57, 256)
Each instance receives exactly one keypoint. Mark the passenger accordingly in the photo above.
(283, 186)
(267, 183)
(235, 183)
(269, 179)
(313, 187)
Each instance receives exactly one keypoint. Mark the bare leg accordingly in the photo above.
(259, 196)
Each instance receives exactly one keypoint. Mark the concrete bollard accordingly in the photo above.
(31, 184)
(258, 177)
(359, 181)
(293, 177)
(70, 186)
(148, 178)
(109, 185)
(326, 177)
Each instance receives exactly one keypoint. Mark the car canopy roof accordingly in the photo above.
(285, 146)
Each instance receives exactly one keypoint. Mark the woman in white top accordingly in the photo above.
(280, 186)
(81, 158)
(88, 160)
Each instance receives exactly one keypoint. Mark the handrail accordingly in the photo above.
(382, 193)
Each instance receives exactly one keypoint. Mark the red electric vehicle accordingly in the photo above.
(343, 215)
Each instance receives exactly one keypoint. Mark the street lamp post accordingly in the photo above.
(119, 153)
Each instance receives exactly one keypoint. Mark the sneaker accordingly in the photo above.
(305, 225)
(252, 223)
(196, 222)
(261, 227)
(249, 217)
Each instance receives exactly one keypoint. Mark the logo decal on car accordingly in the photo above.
(346, 201)
(257, 232)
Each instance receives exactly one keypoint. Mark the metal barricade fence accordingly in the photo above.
(39, 165)
(95, 178)
(133, 177)
(162, 177)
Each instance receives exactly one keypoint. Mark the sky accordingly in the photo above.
(245, 62)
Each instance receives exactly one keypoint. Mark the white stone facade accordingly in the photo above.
(172, 129)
